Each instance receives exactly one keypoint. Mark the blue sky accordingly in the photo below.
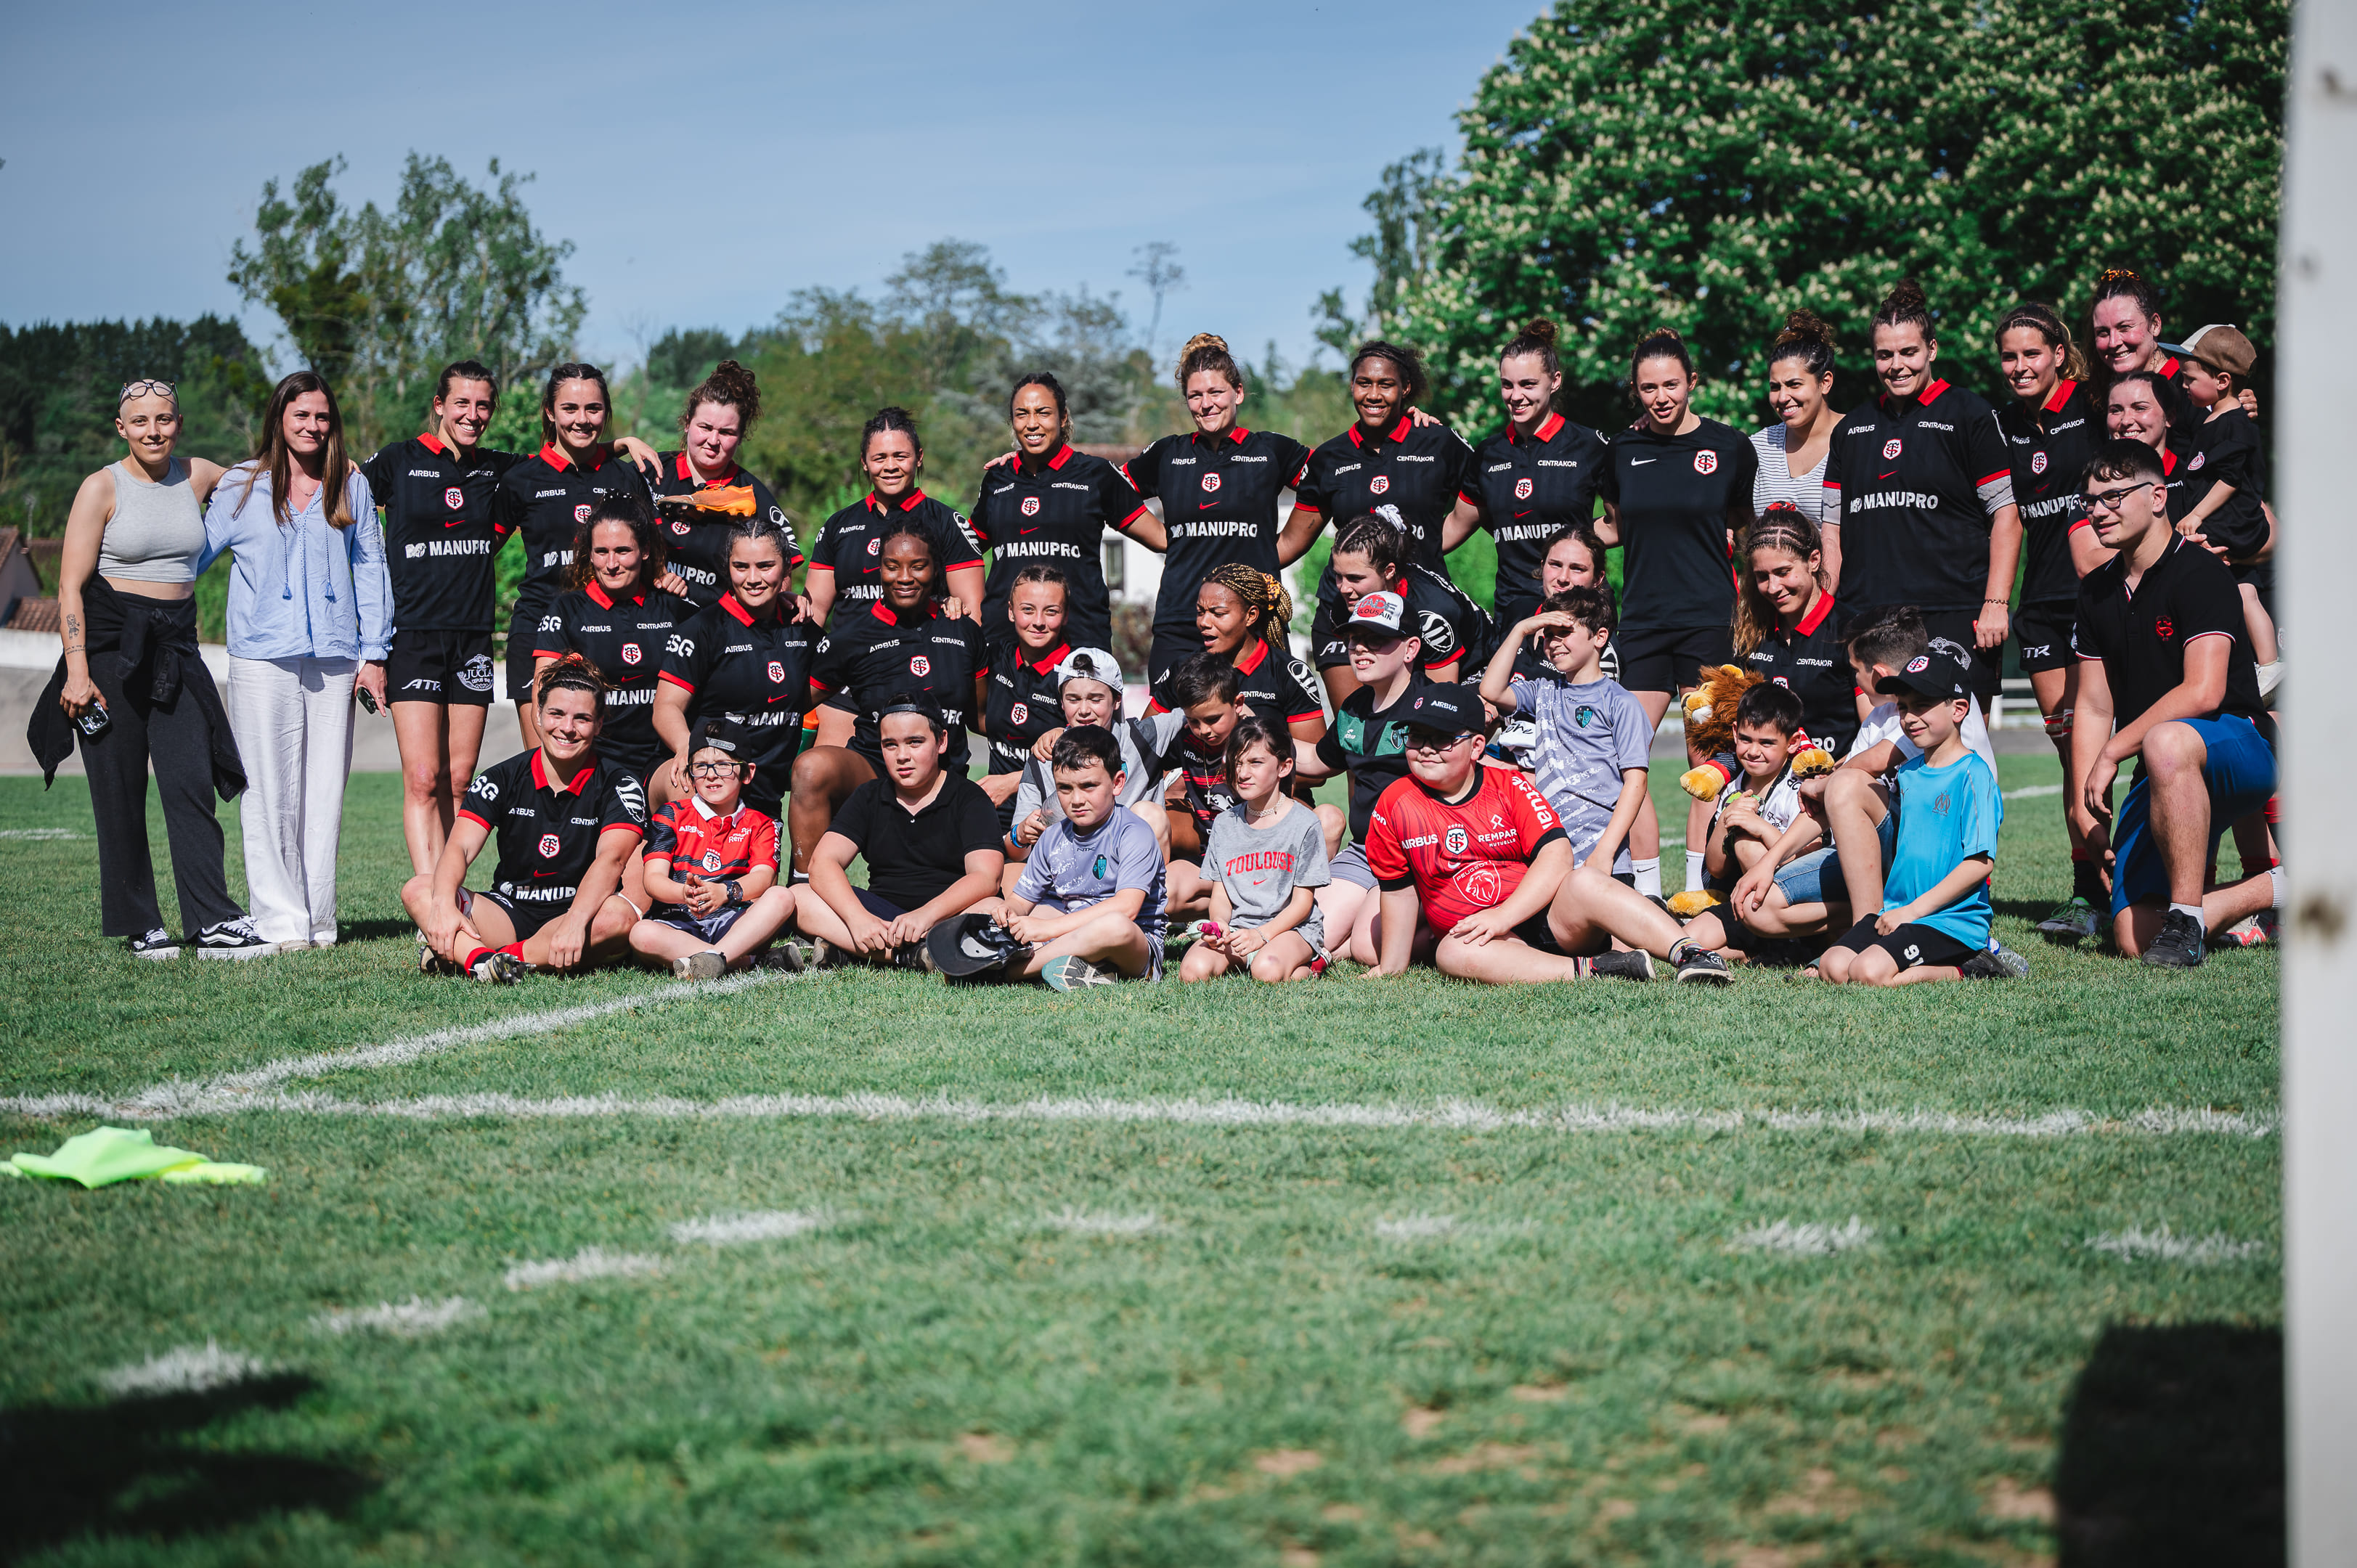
(706, 167)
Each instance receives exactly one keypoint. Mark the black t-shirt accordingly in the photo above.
(913, 860)
(1019, 703)
(1054, 513)
(1219, 497)
(547, 497)
(851, 545)
(1373, 745)
(1528, 490)
(1914, 488)
(440, 531)
(1412, 474)
(754, 669)
(867, 660)
(548, 836)
(1809, 661)
(2049, 452)
(1677, 496)
(624, 640)
(1454, 629)
(2141, 637)
(1278, 687)
(2224, 450)
(697, 547)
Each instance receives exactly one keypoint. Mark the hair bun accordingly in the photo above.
(1805, 326)
(1202, 340)
(1538, 328)
(1906, 297)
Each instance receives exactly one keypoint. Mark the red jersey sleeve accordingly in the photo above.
(761, 848)
(1385, 858)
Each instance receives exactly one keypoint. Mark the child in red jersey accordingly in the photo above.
(711, 868)
(1481, 850)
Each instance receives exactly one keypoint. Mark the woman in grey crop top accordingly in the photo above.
(127, 626)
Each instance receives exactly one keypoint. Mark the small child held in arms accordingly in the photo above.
(1593, 736)
(1934, 922)
(1089, 905)
(712, 869)
(1757, 806)
(1268, 857)
(2224, 487)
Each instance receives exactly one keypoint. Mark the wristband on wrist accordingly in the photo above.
(736, 890)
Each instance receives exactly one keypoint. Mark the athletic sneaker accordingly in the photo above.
(233, 938)
(784, 956)
(1986, 965)
(2073, 920)
(910, 955)
(2250, 932)
(2014, 966)
(2179, 945)
(709, 965)
(496, 968)
(434, 963)
(1072, 972)
(1622, 965)
(157, 944)
(1699, 966)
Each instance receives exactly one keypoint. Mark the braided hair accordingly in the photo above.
(1379, 539)
(2037, 315)
(1266, 604)
(569, 673)
(1784, 527)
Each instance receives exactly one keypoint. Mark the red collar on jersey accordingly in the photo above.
(1396, 432)
(1260, 652)
(729, 605)
(433, 443)
(686, 470)
(1816, 617)
(875, 503)
(553, 455)
(540, 780)
(885, 613)
(1235, 433)
(1547, 430)
(1057, 460)
(2062, 390)
(1928, 396)
(597, 597)
(1046, 662)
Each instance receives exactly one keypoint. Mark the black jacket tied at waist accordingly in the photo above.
(153, 644)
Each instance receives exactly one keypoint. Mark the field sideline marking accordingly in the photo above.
(1456, 1115)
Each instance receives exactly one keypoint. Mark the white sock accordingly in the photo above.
(2270, 677)
(2274, 874)
(2194, 910)
(1649, 876)
(1695, 873)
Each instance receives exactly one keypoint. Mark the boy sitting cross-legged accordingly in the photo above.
(1481, 851)
(1934, 923)
(1763, 800)
(1089, 905)
(1089, 691)
(712, 870)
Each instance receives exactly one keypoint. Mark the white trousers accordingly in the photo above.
(293, 720)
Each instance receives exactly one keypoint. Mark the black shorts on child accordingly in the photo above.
(1912, 945)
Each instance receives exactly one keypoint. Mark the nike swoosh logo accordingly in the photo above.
(1205, 506)
(1640, 462)
(1886, 473)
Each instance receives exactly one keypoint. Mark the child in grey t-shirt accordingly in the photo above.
(1265, 859)
(1593, 737)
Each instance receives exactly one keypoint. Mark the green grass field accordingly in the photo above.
(1345, 1273)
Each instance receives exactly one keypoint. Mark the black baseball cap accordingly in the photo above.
(721, 734)
(1942, 670)
(1447, 708)
(971, 944)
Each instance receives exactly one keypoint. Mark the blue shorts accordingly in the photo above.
(711, 928)
(2241, 773)
(1808, 878)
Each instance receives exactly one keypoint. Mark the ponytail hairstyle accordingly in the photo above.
(1377, 538)
(1055, 390)
(731, 385)
(570, 673)
(271, 453)
(1536, 335)
(901, 419)
(558, 377)
(623, 509)
(1784, 527)
(465, 371)
(2042, 318)
(1660, 343)
(1264, 599)
(764, 524)
(1036, 572)
(1808, 338)
(1208, 351)
(1905, 305)
(2126, 282)
(1253, 730)
(1405, 360)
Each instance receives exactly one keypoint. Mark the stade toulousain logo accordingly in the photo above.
(581, 512)
(776, 673)
(454, 498)
(1705, 462)
(1455, 841)
(1892, 447)
(1522, 490)
(549, 844)
(678, 528)
(712, 861)
(1019, 713)
(630, 654)
(2038, 462)
(920, 665)
(1031, 505)
(1379, 484)
(876, 547)
(1210, 483)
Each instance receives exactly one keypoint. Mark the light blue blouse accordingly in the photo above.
(306, 590)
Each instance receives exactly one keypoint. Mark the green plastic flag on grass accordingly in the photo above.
(108, 1154)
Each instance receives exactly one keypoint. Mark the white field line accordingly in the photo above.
(1803, 1241)
(2028, 791)
(738, 1229)
(589, 1263)
(1454, 1115)
(186, 1370)
(2136, 1245)
(413, 1319)
(40, 833)
(1082, 1222)
(1416, 1226)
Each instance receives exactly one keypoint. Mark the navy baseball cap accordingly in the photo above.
(1447, 708)
(1942, 671)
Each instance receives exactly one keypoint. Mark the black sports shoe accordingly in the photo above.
(233, 938)
(1699, 966)
(1986, 965)
(1637, 965)
(430, 962)
(2179, 945)
(157, 944)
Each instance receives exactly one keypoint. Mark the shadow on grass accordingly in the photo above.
(372, 930)
(131, 1468)
(2172, 1450)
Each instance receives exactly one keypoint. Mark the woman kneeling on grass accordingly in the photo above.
(566, 824)
(712, 868)
(1268, 860)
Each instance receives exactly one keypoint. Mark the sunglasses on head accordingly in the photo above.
(142, 388)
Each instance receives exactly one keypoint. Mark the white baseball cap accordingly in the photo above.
(1090, 664)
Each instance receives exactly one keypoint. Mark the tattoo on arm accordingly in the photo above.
(73, 634)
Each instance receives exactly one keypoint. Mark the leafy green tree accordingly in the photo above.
(377, 301)
(1637, 163)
